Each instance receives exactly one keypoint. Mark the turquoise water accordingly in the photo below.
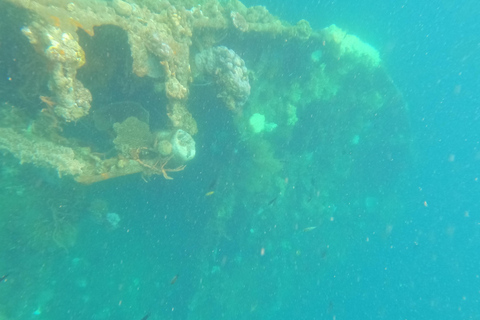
(353, 214)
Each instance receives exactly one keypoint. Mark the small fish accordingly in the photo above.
(174, 279)
(56, 21)
(209, 193)
(272, 202)
(146, 316)
(309, 229)
(213, 184)
(330, 307)
(49, 101)
(4, 278)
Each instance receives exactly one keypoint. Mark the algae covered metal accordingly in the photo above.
(277, 70)
(279, 138)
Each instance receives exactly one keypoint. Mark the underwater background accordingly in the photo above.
(356, 202)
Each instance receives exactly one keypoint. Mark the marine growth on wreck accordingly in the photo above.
(172, 47)
(293, 119)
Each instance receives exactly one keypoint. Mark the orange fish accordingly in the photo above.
(56, 21)
(48, 101)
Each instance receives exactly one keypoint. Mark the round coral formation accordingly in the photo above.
(229, 72)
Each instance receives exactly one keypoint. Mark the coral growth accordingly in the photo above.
(40, 152)
(71, 99)
(161, 37)
(132, 134)
(310, 145)
(229, 72)
(351, 49)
